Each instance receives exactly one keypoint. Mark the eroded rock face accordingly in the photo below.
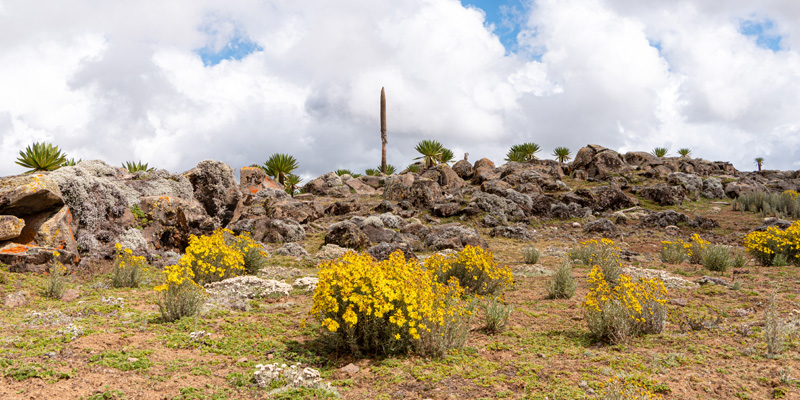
(603, 198)
(330, 185)
(600, 162)
(463, 169)
(662, 194)
(216, 189)
(10, 227)
(170, 221)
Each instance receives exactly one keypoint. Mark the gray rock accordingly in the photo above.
(513, 232)
(463, 169)
(391, 221)
(690, 182)
(665, 218)
(270, 230)
(573, 210)
(330, 185)
(10, 227)
(453, 236)
(378, 235)
(346, 234)
(381, 251)
(292, 250)
(662, 194)
(330, 252)
(712, 189)
(602, 225)
(216, 189)
(132, 239)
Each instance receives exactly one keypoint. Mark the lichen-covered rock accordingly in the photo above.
(264, 229)
(484, 170)
(712, 189)
(343, 207)
(463, 169)
(445, 177)
(29, 194)
(453, 236)
(391, 221)
(10, 227)
(253, 179)
(690, 182)
(600, 162)
(665, 218)
(566, 211)
(168, 221)
(292, 249)
(246, 287)
(346, 234)
(216, 189)
(419, 192)
(330, 251)
(513, 232)
(445, 210)
(378, 235)
(359, 187)
(330, 185)
(603, 198)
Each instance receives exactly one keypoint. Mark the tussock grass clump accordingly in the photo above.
(562, 285)
(57, 280)
(716, 257)
(618, 313)
(128, 268)
(775, 330)
(496, 315)
(531, 255)
(783, 205)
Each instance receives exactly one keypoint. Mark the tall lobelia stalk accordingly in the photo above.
(383, 131)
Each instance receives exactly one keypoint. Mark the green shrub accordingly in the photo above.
(531, 255)
(775, 329)
(780, 260)
(716, 258)
(128, 268)
(739, 259)
(784, 205)
(562, 285)
(136, 166)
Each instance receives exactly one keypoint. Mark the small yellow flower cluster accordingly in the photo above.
(475, 268)
(693, 249)
(618, 312)
(791, 194)
(381, 307)
(127, 267)
(764, 246)
(618, 388)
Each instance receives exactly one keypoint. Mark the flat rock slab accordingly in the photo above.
(28, 194)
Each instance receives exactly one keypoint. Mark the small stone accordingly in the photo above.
(70, 295)
(350, 369)
(270, 356)
(132, 359)
(16, 299)
(50, 354)
(576, 225)
(583, 385)
(241, 360)
(679, 302)
(541, 355)
(672, 230)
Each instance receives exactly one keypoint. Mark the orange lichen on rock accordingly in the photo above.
(18, 249)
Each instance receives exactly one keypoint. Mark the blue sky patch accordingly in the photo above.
(236, 49)
(763, 31)
(507, 16)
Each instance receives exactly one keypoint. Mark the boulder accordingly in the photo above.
(772, 221)
(391, 221)
(292, 249)
(330, 251)
(483, 170)
(265, 229)
(275, 203)
(30, 258)
(382, 251)
(343, 207)
(665, 218)
(421, 193)
(216, 189)
(359, 187)
(453, 236)
(378, 234)
(413, 241)
(168, 222)
(639, 158)
(736, 188)
(602, 225)
(463, 169)
(346, 234)
(500, 208)
(254, 179)
(603, 198)
(10, 227)
(29, 194)
(330, 185)
(443, 175)
(512, 232)
(712, 189)
(445, 210)
(560, 210)
(662, 194)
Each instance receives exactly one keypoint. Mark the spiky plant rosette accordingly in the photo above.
(41, 157)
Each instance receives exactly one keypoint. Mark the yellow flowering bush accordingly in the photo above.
(617, 313)
(764, 246)
(128, 268)
(391, 306)
(179, 296)
(603, 253)
(221, 255)
(474, 268)
(620, 389)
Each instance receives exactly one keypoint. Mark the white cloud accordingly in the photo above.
(123, 81)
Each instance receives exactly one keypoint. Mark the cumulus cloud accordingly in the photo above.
(175, 83)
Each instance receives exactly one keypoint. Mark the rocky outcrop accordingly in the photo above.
(600, 162)
(512, 232)
(463, 169)
(603, 198)
(662, 194)
(216, 189)
(443, 175)
(420, 192)
(712, 189)
(690, 182)
(602, 225)
(484, 170)
(265, 229)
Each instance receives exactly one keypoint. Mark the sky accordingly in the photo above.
(174, 83)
